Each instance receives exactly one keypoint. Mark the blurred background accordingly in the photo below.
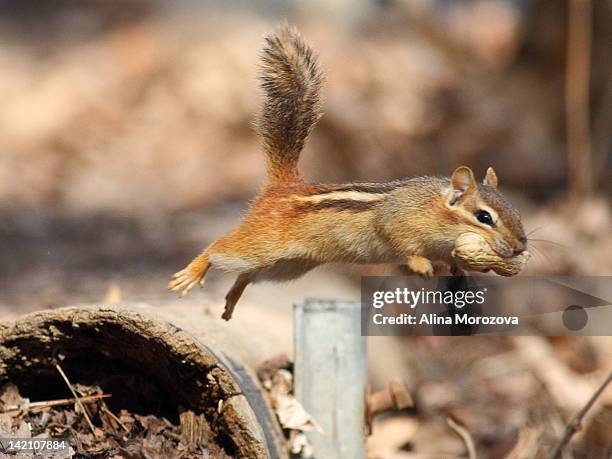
(126, 146)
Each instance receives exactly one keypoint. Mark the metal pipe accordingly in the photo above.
(330, 375)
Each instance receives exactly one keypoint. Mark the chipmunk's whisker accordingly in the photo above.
(536, 229)
(540, 253)
(563, 246)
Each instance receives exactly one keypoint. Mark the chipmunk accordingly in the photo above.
(293, 226)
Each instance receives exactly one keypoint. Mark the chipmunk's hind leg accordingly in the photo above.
(184, 280)
(282, 270)
(235, 293)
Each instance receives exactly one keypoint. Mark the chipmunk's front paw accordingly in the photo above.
(184, 280)
(421, 266)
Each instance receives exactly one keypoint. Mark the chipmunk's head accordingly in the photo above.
(481, 208)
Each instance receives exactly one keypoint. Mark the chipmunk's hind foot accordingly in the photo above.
(185, 279)
(234, 294)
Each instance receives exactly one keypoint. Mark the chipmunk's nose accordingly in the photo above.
(520, 246)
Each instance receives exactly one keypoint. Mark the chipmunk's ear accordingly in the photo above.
(463, 181)
(491, 178)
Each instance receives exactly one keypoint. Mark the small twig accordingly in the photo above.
(576, 423)
(35, 406)
(112, 415)
(77, 399)
(464, 435)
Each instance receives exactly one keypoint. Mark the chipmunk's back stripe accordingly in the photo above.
(370, 187)
(340, 196)
(374, 188)
(355, 197)
(350, 205)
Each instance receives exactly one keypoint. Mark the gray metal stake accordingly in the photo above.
(330, 375)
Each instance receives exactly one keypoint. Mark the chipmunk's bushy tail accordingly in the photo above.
(291, 82)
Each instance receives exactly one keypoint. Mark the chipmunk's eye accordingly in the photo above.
(484, 217)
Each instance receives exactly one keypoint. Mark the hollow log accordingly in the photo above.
(185, 371)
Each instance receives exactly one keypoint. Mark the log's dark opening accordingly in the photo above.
(138, 366)
(131, 389)
(148, 365)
